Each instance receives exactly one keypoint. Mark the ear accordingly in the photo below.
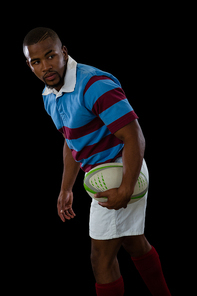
(65, 52)
(28, 64)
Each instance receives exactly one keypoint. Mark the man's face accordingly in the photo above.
(47, 61)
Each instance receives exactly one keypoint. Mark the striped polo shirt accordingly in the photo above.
(88, 110)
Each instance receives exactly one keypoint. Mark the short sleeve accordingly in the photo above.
(107, 100)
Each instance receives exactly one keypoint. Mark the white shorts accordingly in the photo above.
(108, 224)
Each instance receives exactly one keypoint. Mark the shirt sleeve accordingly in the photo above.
(106, 99)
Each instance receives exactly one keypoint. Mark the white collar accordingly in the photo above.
(69, 80)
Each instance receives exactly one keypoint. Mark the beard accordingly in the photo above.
(54, 85)
(60, 81)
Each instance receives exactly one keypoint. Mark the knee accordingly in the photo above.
(136, 246)
(97, 259)
(129, 249)
(100, 261)
(94, 258)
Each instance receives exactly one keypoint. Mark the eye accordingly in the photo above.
(36, 63)
(50, 57)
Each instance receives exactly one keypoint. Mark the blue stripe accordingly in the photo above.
(90, 139)
(97, 89)
(51, 108)
(115, 112)
(103, 156)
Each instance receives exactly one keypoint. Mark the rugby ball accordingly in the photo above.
(107, 176)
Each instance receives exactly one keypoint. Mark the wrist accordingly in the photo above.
(125, 191)
(64, 189)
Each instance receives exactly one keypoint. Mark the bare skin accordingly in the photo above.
(104, 255)
(132, 157)
(48, 61)
(104, 252)
(65, 199)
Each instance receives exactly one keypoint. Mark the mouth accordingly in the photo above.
(50, 76)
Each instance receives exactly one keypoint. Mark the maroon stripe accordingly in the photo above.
(122, 121)
(61, 130)
(106, 143)
(108, 99)
(94, 79)
(75, 133)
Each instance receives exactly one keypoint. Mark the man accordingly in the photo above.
(90, 109)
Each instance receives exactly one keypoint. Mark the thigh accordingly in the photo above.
(104, 260)
(106, 248)
(136, 245)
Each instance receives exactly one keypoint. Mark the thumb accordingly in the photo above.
(101, 194)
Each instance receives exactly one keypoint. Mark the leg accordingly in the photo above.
(147, 262)
(136, 245)
(109, 281)
(104, 260)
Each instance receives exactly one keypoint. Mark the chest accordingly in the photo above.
(70, 110)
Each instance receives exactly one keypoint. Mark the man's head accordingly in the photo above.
(46, 56)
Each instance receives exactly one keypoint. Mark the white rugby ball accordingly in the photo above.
(108, 176)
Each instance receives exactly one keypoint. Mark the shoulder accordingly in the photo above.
(91, 75)
(102, 89)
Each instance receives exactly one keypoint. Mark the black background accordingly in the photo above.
(140, 49)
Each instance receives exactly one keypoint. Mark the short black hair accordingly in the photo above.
(39, 34)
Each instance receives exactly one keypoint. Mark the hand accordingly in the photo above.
(117, 199)
(64, 205)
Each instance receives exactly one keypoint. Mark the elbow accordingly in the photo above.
(142, 142)
(144, 145)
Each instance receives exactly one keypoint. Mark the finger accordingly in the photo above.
(69, 213)
(61, 216)
(104, 204)
(72, 212)
(65, 215)
(101, 194)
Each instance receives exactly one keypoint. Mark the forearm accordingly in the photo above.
(132, 161)
(70, 171)
(133, 153)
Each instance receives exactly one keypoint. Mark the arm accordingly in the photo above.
(133, 152)
(70, 172)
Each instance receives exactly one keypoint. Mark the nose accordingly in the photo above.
(46, 66)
